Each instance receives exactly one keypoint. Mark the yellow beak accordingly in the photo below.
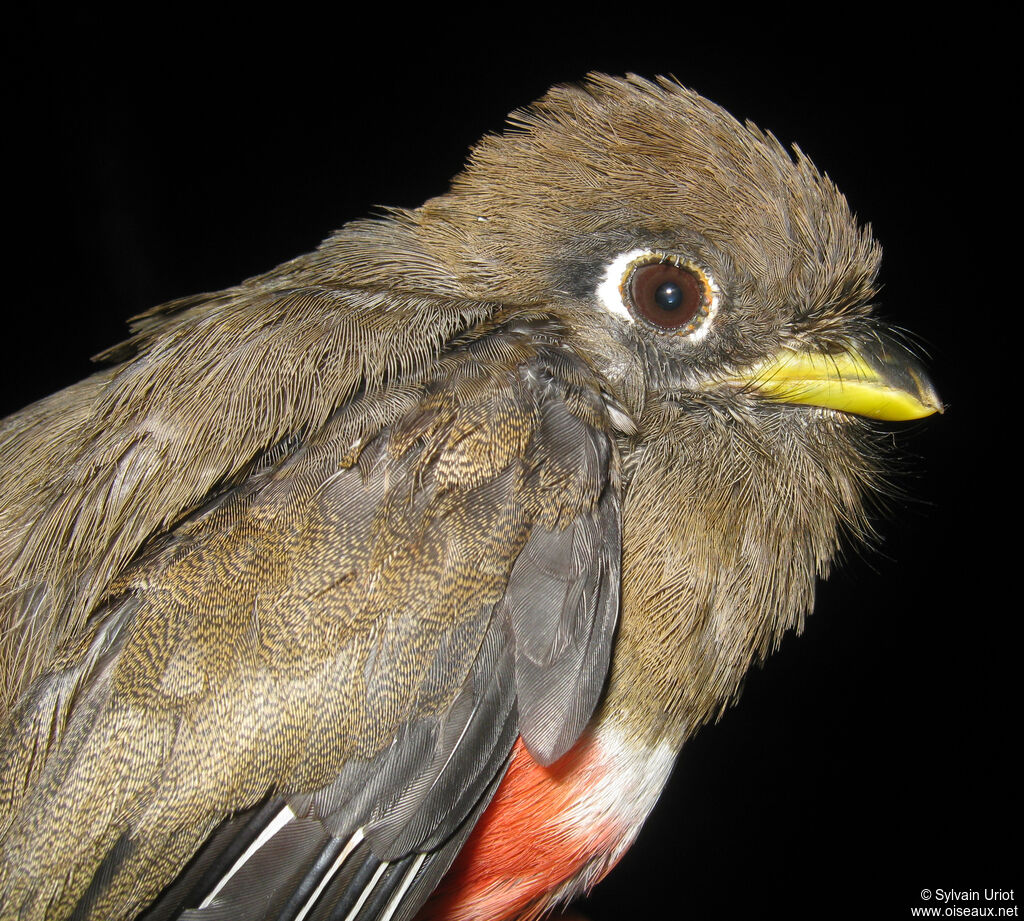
(878, 378)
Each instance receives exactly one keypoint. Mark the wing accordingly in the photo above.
(309, 685)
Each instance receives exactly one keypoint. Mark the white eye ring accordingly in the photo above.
(611, 292)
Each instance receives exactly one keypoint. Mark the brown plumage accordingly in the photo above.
(318, 548)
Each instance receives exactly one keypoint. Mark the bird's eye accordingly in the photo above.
(664, 291)
(668, 295)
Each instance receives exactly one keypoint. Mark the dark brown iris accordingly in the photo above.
(666, 295)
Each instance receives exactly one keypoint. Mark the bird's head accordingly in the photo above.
(645, 212)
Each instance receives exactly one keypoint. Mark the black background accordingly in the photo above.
(874, 756)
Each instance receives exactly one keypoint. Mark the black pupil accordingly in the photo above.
(669, 296)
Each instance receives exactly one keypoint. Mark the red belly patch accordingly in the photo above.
(539, 831)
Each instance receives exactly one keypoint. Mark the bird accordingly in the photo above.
(389, 584)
